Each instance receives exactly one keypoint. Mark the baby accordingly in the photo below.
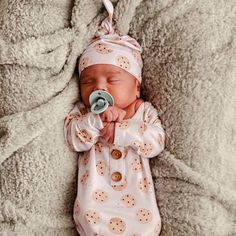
(115, 194)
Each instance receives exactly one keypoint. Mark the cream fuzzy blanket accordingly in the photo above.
(189, 52)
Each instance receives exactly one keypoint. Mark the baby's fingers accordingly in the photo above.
(111, 114)
(121, 115)
(106, 115)
(107, 133)
(114, 113)
(103, 131)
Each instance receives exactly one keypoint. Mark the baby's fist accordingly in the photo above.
(113, 113)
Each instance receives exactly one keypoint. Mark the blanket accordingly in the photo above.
(189, 53)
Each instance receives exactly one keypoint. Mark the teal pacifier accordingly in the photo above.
(100, 100)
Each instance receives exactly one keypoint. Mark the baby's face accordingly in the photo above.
(124, 87)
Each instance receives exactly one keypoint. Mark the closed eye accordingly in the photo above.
(87, 81)
(113, 80)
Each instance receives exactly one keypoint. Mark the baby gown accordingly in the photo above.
(115, 189)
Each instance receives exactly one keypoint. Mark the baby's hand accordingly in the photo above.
(108, 132)
(113, 113)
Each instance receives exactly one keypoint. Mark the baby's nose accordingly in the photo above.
(100, 87)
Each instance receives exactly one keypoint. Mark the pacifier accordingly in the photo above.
(100, 100)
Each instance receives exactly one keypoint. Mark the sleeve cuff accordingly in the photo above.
(95, 121)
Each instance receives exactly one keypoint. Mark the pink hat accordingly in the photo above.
(111, 48)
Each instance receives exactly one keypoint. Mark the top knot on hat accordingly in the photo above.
(106, 26)
(111, 48)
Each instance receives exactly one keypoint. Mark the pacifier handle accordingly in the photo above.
(100, 102)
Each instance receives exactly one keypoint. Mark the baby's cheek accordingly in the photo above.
(85, 92)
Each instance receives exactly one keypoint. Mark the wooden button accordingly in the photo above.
(116, 154)
(116, 176)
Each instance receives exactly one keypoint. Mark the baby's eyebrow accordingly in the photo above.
(114, 72)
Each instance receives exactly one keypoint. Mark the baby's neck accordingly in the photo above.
(132, 108)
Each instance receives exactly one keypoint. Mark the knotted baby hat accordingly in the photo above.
(111, 48)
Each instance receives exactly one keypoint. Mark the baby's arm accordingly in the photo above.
(147, 138)
(81, 129)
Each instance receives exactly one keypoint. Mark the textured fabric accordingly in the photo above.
(189, 55)
(111, 48)
(115, 188)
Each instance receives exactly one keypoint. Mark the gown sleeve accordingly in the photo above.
(146, 136)
(81, 128)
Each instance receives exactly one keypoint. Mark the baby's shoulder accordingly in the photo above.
(149, 110)
(148, 106)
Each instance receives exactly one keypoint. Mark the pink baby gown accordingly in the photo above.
(115, 194)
